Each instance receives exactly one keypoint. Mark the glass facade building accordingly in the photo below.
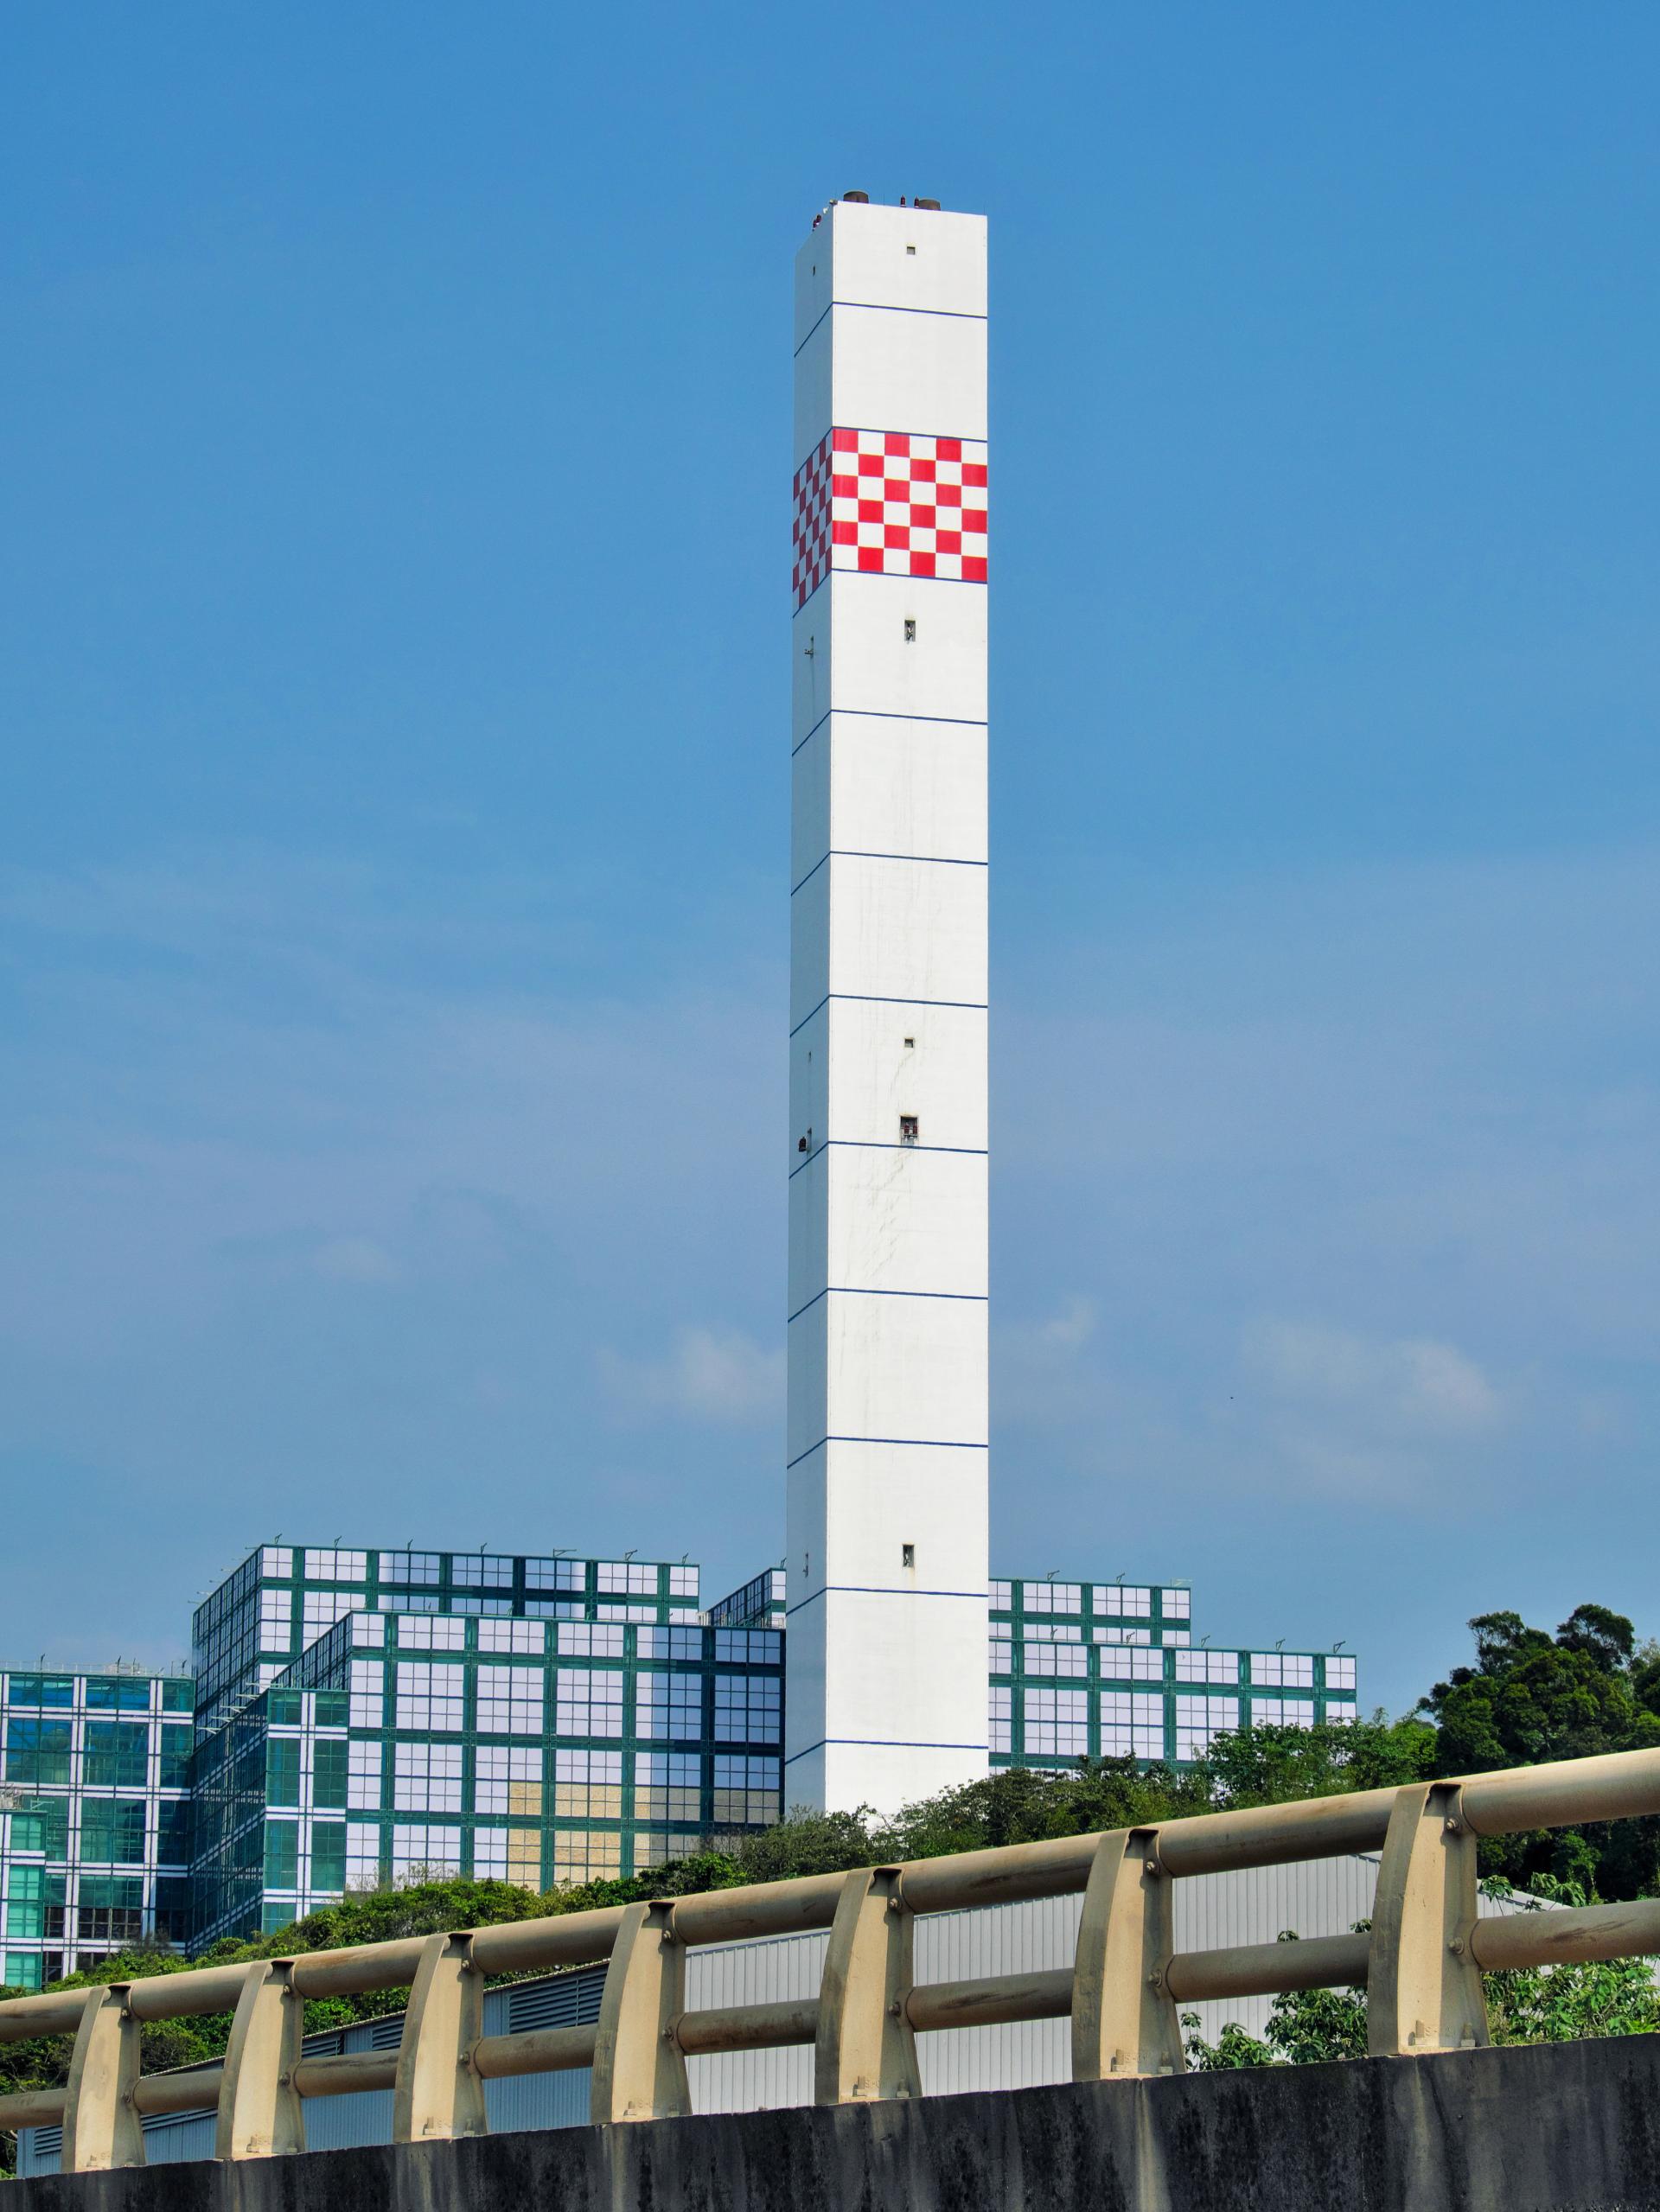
(363, 1716)
(1109, 1670)
(416, 1745)
(283, 1597)
(95, 1832)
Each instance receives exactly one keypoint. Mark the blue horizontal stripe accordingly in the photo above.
(868, 1144)
(881, 306)
(876, 998)
(885, 1743)
(874, 1589)
(876, 714)
(921, 1443)
(849, 1291)
(855, 852)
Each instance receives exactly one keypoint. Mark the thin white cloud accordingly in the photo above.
(354, 1259)
(1412, 1383)
(712, 1374)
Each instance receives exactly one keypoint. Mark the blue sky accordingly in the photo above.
(392, 857)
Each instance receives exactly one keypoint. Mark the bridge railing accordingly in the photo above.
(1420, 1966)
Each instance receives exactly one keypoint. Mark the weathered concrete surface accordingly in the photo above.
(1569, 2128)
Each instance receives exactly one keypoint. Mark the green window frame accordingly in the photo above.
(177, 1742)
(113, 1830)
(282, 1854)
(116, 1755)
(329, 1855)
(45, 1829)
(116, 1693)
(329, 1772)
(282, 1771)
(38, 1750)
(41, 1689)
(174, 1833)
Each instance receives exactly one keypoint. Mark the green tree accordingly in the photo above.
(1531, 1698)
(1270, 1764)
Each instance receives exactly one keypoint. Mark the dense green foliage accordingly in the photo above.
(1531, 1698)
(1528, 1697)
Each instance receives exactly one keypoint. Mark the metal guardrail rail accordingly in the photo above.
(1421, 1968)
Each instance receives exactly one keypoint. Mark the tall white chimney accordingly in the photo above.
(888, 1230)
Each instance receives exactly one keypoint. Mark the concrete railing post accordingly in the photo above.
(1124, 2020)
(260, 2111)
(437, 2092)
(1423, 1987)
(639, 2067)
(866, 2047)
(101, 2126)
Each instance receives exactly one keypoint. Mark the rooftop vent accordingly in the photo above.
(862, 197)
(933, 204)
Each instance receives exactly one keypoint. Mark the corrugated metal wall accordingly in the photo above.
(1317, 1898)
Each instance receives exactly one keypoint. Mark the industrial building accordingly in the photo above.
(386, 1715)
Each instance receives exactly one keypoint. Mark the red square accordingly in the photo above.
(873, 484)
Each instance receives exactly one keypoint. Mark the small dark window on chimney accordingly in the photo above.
(907, 1130)
(910, 248)
(907, 1555)
(909, 1043)
(911, 630)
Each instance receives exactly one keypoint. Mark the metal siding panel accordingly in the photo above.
(343, 2123)
(767, 1971)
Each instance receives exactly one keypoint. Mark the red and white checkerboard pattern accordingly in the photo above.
(890, 503)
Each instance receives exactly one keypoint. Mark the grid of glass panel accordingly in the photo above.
(404, 1745)
(758, 1604)
(1109, 1670)
(95, 1846)
(283, 1597)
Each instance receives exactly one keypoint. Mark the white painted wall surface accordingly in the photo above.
(887, 1424)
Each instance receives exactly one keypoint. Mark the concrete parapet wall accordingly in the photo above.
(1567, 2127)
